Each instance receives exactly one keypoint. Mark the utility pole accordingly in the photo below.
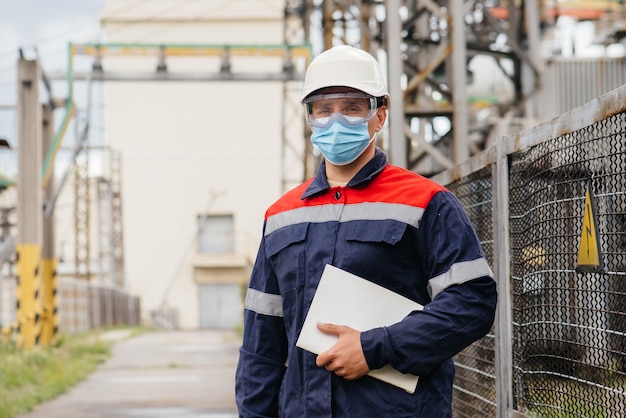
(50, 319)
(458, 58)
(29, 204)
(397, 142)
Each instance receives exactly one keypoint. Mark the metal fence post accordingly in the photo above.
(502, 260)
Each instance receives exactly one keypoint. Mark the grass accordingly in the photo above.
(556, 398)
(30, 377)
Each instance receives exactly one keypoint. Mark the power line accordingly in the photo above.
(158, 15)
(119, 12)
(65, 33)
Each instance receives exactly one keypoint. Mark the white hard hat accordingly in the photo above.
(345, 66)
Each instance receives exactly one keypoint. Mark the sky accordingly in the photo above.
(46, 27)
(41, 28)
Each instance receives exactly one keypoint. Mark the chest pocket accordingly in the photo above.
(285, 249)
(376, 250)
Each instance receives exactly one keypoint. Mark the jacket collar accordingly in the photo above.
(361, 179)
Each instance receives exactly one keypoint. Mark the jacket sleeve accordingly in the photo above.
(462, 289)
(263, 352)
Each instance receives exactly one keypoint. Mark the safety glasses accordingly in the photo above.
(350, 109)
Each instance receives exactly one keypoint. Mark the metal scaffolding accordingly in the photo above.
(427, 62)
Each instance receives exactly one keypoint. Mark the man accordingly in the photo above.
(383, 223)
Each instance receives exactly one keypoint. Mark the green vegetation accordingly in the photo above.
(556, 398)
(29, 377)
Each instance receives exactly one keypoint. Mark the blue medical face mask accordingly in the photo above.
(339, 142)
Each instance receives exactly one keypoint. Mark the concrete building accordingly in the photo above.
(200, 160)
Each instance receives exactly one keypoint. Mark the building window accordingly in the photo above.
(215, 234)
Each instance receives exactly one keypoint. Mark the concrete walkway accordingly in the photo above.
(178, 374)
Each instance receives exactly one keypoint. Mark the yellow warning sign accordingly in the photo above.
(589, 253)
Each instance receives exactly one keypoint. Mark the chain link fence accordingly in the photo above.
(549, 205)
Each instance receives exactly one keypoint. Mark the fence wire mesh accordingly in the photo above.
(474, 384)
(561, 328)
(569, 354)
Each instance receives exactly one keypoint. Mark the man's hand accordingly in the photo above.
(345, 358)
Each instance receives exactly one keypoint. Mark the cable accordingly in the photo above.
(13, 56)
(53, 38)
(65, 33)
(8, 55)
(112, 14)
(159, 14)
(213, 196)
(119, 11)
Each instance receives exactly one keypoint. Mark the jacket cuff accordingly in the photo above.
(373, 343)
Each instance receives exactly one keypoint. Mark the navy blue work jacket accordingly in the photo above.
(394, 228)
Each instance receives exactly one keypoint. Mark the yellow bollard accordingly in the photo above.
(50, 319)
(28, 294)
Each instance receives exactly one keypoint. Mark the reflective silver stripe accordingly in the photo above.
(380, 211)
(324, 213)
(343, 213)
(264, 303)
(459, 273)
